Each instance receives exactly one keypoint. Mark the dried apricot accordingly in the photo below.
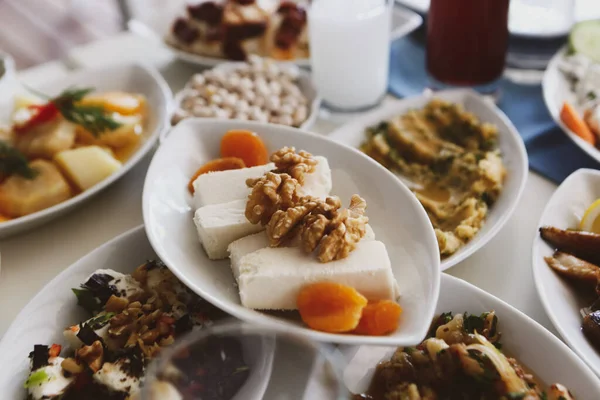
(379, 318)
(246, 145)
(330, 307)
(219, 164)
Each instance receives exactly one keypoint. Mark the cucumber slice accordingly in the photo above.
(585, 39)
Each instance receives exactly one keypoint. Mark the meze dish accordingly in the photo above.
(461, 358)
(581, 67)
(131, 317)
(577, 259)
(57, 147)
(257, 90)
(292, 246)
(234, 29)
(450, 160)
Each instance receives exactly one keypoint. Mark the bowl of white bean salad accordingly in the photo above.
(258, 90)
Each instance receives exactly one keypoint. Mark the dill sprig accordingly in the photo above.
(12, 161)
(92, 118)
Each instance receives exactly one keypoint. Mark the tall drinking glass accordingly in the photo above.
(238, 361)
(349, 51)
(466, 43)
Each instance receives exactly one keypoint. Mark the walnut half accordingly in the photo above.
(296, 165)
(270, 193)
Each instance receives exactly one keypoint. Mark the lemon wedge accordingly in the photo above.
(591, 219)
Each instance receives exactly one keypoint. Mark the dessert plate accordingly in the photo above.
(556, 90)
(156, 25)
(44, 318)
(560, 300)
(394, 214)
(511, 145)
(133, 78)
(523, 338)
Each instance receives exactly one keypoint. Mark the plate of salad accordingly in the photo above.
(571, 87)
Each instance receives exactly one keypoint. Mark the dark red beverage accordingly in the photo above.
(467, 41)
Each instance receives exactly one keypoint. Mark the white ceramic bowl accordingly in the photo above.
(556, 90)
(157, 25)
(510, 142)
(394, 213)
(561, 302)
(536, 348)
(130, 78)
(305, 84)
(54, 308)
(7, 76)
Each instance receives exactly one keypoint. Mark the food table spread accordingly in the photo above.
(502, 267)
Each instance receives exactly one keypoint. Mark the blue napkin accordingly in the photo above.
(551, 152)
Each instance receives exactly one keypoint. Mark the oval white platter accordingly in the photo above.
(54, 308)
(394, 214)
(560, 300)
(156, 26)
(511, 145)
(304, 82)
(556, 90)
(536, 348)
(134, 78)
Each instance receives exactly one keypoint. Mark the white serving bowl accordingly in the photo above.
(556, 89)
(55, 308)
(511, 145)
(560, 300)
(394, 213)
(304, 82)
(133, 78)
(536, 348)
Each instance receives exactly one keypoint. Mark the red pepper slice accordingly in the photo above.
(54, 350)
(43, 113)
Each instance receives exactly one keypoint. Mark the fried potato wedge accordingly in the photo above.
(574, 268)
(584, 245)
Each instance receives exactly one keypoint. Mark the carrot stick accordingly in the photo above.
(573, 121)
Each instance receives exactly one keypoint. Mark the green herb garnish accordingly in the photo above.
(36, 378)
(12, 161)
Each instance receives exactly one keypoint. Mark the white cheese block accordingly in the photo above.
(271, 278)
(87, 166)
(257, 241)
(226, 186)
(220, 224)
(55, 383)
(318, 183)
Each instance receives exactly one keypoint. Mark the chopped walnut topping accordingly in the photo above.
(294, 164)
(284, 225)
(92, 355)
(337, 234)
(270, 193)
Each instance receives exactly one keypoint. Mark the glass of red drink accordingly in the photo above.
(466, 43)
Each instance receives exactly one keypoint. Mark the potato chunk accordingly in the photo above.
(45, 140)
(88, 165)
(20, 196)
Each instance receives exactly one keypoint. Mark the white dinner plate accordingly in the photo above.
(54, 308)
(556, 90)
(561, 302)
(536, 348)
(134, 78)
(510, 142)
(156, 25)
(394, 214)
(305, 83)
(420, 6)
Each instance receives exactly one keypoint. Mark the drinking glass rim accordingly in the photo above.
(233, 328)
